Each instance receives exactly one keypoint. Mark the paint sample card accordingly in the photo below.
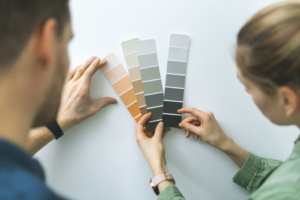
(175, 79)
(131, 58)
(121, 82)
(151, 80)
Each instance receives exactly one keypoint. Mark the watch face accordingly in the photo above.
(151, 183)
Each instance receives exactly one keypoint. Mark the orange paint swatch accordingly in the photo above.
(122, 85)
(118, 77)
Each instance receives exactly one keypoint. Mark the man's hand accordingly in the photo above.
(76, 103)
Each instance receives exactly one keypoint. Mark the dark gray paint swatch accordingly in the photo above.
(150, 73)
(171, 120)
(174, 94)
(178, 54)
(172, 107)
(175, 67)
(153, 126)
(148, 60)
(154, 100)
(152, 87)
(156, 113)
(175, 81)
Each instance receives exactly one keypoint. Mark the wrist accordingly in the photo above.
(63, 125)
(226, 146)
(159, 170)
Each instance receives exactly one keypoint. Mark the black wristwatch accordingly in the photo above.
(55, 129)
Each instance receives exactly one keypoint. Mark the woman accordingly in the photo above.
(268, 64)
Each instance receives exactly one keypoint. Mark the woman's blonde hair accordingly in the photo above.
(268, 47)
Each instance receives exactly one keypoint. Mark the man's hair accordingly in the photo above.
(20, 18)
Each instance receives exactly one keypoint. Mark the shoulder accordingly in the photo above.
(16, 183)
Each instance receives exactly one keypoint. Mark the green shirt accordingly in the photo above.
(264, 178)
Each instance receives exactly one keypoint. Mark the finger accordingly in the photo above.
(187, 134)
(159, 131)
(189, 127)
(72, 73)
(82, 68)
(196, 136)
(139, 128)
(142, 122)
(190, 119)
(104, 102)
(92, 69)
(196, 123)
(193, 111)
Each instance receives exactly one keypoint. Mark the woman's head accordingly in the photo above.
(268, 60)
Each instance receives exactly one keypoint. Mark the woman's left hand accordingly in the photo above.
(152, 148)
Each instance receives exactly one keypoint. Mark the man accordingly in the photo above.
(34, 35)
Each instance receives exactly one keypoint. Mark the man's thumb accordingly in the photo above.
(104, 102)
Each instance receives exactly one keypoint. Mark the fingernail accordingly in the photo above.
(103, 60)
(161, 124)
(115, 101)
(93, 58)
(180, 124)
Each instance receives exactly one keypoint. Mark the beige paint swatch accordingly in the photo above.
(132, 61)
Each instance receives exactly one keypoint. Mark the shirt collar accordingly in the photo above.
(12, 154)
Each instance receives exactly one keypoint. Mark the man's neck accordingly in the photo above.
(16, 110)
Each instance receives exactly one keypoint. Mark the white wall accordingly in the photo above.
(99, 159)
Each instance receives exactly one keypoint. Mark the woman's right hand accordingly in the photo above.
(204, 125)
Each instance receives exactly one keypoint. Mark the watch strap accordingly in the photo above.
(55, 129)
(162, 177)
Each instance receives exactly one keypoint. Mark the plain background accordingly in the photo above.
(99, 159)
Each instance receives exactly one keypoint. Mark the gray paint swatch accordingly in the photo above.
(178, 40)
(156, 113)
(175, 80)
(151, 79)
(175, 67)
(178, 54)
(172, 107)
(152, 87)
(174, 94)
(148, 60)
(154, 100)
(150, 73)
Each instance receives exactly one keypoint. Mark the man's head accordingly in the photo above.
(34, 35)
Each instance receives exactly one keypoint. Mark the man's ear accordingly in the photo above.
(45, 43)
(289, 100)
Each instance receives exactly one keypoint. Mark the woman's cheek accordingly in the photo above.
(260, 102)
